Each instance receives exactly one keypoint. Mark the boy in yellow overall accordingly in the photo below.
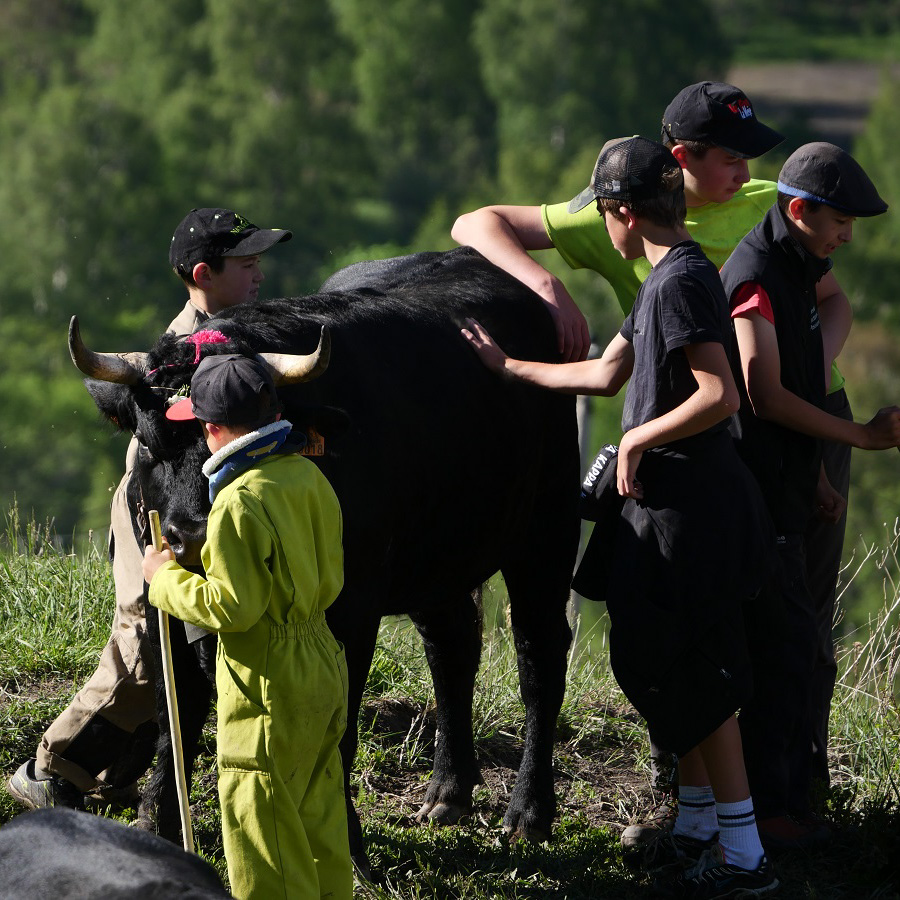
(274, 562)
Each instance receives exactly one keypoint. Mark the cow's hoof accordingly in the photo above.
(526, 833)
(441, 813)
(144, 823)
(361, 868)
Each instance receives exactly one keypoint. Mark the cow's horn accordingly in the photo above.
(118, 368)
(287, 368)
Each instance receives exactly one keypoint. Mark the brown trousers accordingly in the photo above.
(119, 697)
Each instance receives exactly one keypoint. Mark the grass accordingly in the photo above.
(54, 607)
(54, 617)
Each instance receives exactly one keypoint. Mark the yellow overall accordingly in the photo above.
(274, 563)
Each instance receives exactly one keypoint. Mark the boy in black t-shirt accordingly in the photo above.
(690, 542)
(770, 280)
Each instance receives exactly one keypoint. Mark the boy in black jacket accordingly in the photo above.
(770, 280)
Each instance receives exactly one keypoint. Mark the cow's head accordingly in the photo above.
(133, 391)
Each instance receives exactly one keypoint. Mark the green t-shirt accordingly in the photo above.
(582, 241)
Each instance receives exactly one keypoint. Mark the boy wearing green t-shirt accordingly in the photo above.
(712, 131)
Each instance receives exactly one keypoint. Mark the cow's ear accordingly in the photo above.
(329, 421)
(115, 402)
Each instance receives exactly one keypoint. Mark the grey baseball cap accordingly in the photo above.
(229, 390)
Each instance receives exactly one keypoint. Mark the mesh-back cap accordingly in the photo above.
(630, 169)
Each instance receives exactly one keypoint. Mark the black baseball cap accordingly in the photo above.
(629, 169)
(720, 114)
(823, 172)
(229, 390)
(204, 234)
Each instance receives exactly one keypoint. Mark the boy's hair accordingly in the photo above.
(697, 148)
(667, 210)
(216, 263)
(640, 174)
(785, 199)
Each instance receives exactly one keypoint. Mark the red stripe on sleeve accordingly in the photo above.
(751, 297)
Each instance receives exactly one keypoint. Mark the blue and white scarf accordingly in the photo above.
(246, 451)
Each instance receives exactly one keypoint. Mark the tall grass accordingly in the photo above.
(55, 607)
(865, 721)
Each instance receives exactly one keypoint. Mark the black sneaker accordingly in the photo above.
(779, 834)
(713, 878)
(37, 792)
(667, 850)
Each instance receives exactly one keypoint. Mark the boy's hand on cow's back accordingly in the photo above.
(153, 559)
(485, 346)
(573, 338)
(883, 429)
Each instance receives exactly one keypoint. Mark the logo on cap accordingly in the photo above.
(742, 108)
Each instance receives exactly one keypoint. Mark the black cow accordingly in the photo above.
(63, 853)
(445, 473)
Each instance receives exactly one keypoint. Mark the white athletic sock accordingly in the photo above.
(696, 812)
(738, 836)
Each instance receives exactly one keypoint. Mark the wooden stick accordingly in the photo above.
(181, 785)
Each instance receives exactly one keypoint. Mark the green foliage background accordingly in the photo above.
(365, 128)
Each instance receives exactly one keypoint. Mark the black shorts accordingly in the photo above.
(708, 682)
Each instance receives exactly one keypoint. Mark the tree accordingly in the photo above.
(570, 75)
(39, 41)
(871, 260)
(422, 108)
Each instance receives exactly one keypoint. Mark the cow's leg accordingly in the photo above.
(451, 632)
(355, 625)
(159, 805)
(538, 583)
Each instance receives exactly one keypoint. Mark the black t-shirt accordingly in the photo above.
(682, 302)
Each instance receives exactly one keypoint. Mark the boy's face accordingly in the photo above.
(235, 284)
(219, 436)
(821, 231)
(713, 178)
(624, 239)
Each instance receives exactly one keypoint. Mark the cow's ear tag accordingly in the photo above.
(315, 443)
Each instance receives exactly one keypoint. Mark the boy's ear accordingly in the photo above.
(202, 275)
(796, 208)
(680, 152)
(629, 216)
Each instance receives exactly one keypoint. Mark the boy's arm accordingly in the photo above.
(238, 583)
(602, 377)
(504, 235)
(761, 366)
(836, 317)
(153, 559)
(715, 399)
(830, 505)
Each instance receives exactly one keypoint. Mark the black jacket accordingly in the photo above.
(785, 462)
